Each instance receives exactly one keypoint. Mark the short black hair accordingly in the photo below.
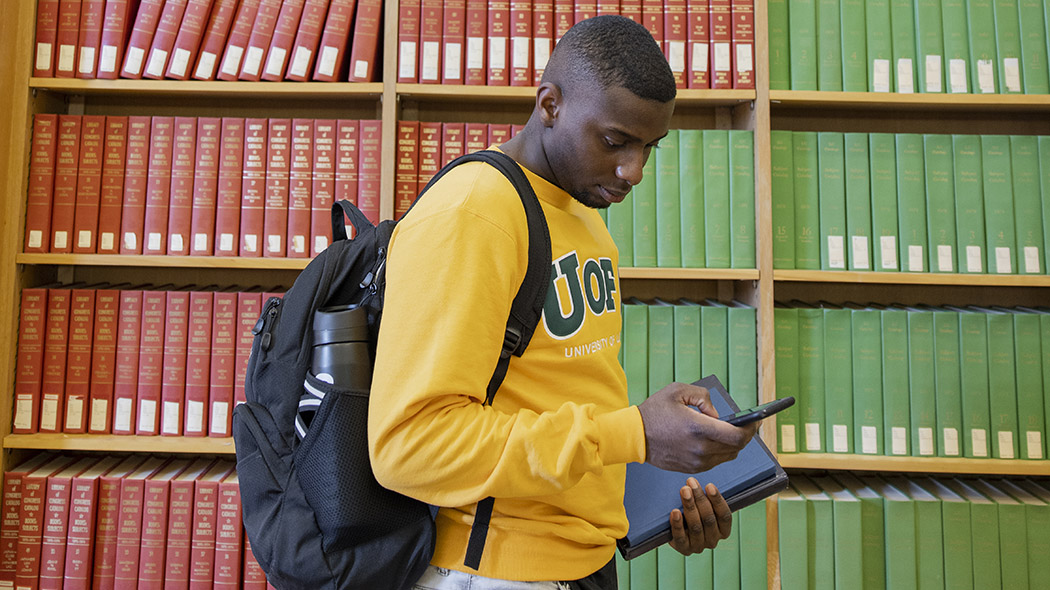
(612, 50)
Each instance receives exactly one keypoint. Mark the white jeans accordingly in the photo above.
(436, 578)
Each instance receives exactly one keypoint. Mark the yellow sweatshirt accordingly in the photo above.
(552, 448)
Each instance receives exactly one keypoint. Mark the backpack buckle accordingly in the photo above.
(511, 340)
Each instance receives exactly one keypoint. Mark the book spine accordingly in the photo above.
(259, 40)
(477, 32)
(1034, 74)
(858, 201)
(198, 361)
(1024, 163)
(249, 308)
(348, 135)
(585, 9)
(92, 13)
(807, 204)
(408, 42)
(884, 231)
(946, 379)
(980, 17)
(307, 39)
(136, 178)
(205, 185)
(879, 45)
(67, 35)
(717, 229)
(956, 45)
(129, 533)
(63, 206)
(1031, 423)
(164, 38)
(477, 136)
(407, 170)
(787, 358)
(921, 383)
(973, 347)
(228, 190)
(832, 199)
(89, 184)
(103, 360)
(46, 38)
(323, 185)
(80, 541)
(370, 170)
(275, 208)
(116, 28)
(1000, 229)
(30, 361)
(284, 31)
(228, 537)
(743, 43)
(429, 153)
(56, 343)
(714, 340)
(365, 43)
(452, 141)
(153, 550)
(779, 57)
(188, 39)
(158, 185)
(42, 160)
(542, 37)
(969, 202)
(811, 379)
(829, 45)
(498, 38)
(213, 40)
(743, 355)
(564, 17)
(431, 17)
(12, 505)
(107, 523)
(911, 202)
(675, 32)
(902, 23)
(782, 172)
(300, 182)
(802, 14)
(254, 576)
(854, 48)
(334, 38)
(180, 195)
(125, 379)
(79, 361)
(180, 528)
(668, 203)
(253, 187)
(930, 45)
(691, 198)
(940, 202)
(838, 381)
(520, 42)
(111, 194)
(500, 133)
(220, 390)
(31, 528)
(151, 363)
(142, 31)
(1002, 385)
(1007, 45)
(202, 541)
(742, 199)
(237, 40)
(643, 205)
(173, 376)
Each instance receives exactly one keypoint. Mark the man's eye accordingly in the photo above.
(612, 143)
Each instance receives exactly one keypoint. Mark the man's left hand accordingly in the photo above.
(703, 521)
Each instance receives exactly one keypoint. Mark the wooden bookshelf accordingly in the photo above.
(215, 89)
(911, 278)
(992, 103)
(163, 261)
(112, 443)
(943, 465)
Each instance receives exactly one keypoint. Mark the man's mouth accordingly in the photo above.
(610, 195)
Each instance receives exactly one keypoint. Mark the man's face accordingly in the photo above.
(600, 140)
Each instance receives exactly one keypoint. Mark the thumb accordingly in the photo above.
(700, 397)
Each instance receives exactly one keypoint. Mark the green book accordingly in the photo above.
(668, 203)
(838, 379)
(783, 198)
(848, 533)
(929, 45)
(779, 55)
(1044, 184)
(743, 354)
(820, 533)
(896, 405)
(661, 342)
(1044, 330)
(956, 45)
(785, 320)
(716, 197)
(873, 531)
(884, 228)
(636, 350)
(811, 377)
(687, 344)
(958, 534)
(1000, 229)
(742, 199)
(880, 45)
(1013, 535)
(921, 380)
(807, 200)
(984, 523)
(1028, 358)
(670, 568)
(643, 199)
(858, 201)
(714, 343)
(620, 219)
(902, 24)
(1008, 45)
(946, 371)
(867, 381)
(725, 559)
(854, 49)
(940, 201)
(793, 532)
(1037, 518)
(644, 571)
(969, 203)
(623, 573)
(751, 522)
(829, 46)
(1028, 206)
(911, 202)
(691, 190)
(1002, 383)
(802, 44)
(929, 532)
(901, 550)
(698, 571)
(1034, 72)
(981, 20)
(973, 355)
(832, 200)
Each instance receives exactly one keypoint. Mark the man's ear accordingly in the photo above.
(548, 102)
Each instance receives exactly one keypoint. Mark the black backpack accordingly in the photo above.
(314, 514)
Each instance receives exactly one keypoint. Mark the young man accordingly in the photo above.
(552, 448)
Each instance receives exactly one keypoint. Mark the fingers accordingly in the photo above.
(723, 514)
(704, 520)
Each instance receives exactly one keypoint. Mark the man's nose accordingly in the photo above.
(630, 166)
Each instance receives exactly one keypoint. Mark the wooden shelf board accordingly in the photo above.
(711, 274)
(913, 464)
(905, 278)
(526, 94)
(892, 100)
(162, 261)
(113, 443)
(208, 88)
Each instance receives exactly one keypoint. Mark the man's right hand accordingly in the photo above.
(679, 438)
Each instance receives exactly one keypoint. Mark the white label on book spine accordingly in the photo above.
(881, 75)
(49, 413)
(205, 65)
(1012, 69)
(1031, 260)
(129, 241)
(273, 243)
(541, 54)
(980, 442)
(869, 440)
(61, 239)
(945, 259)
(23, 413)
(43, 56)
(915, 258)
(787, 438)
(251, 242)
(985, 76)
(275, 61)
(99, 411)
(497, 53)
(36, 238)
(320, 244)
(252, 61)
(361, 69)
(860, 252)
(951, 442)
(157, 59)
(899, 440)
(743, 58)
(888, 247)
(475, 53)
(147, 415)
(957, 80)
(933, 73)
(1006, 444)
(812, 436)
(1002, 260)
(836, 252)
(200, 242)
(226, 242)
(429, 67)
(83, 238)
(974, 259)
(153, 242)
(840, 438)
(122, 414)
(406, 61)
(180, 60)
(108, 59)
(1035, 444)
(297, 244)
(66, 57)
(926, 441)
(170, 418)
(194, 416)
(133, 64)
(453, 61)
(87, 60)
(700, 57)
(326, 60)
(676, 56)
(519, 52)
(300, 61)
(233, 59)
(219, 411)
(723, 57)
(905, 76)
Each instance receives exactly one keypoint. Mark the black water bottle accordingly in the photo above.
(340, 347)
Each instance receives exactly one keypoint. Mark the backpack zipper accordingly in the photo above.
(265, 322)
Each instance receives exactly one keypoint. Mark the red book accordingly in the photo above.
(78, 359)
(205, 185)
(107, 521)
(68, 35)
(408, 47)
(429, 153)
(249, 308)
(228, 193)
(164, 38)
(430, 39)
(406, 179)
(564, 18)
(89, 183)
(213, 40)
(46, 38)
(223, 347)
(254, 576)
(346, 160)
(608, 7)
(58, 508)
(180, 524)
(151, 362)
(284, 31)
(80, 535)
(278, 168)
(542, 37)
(323, 189)
(300, 182)
(116, 29)
(477, 137)
(499, 36)
(499, 133)
(155, 511)
(371, 171)
(675, 25)
(142, 31)
(334, 38)
(103, 360)
(721, 34)
(632, 9)
(56, 347)
(12, 508)
(92, 13)
(198, 361)
(63, 206)
(307, 40)
(158, 185)
(180, 199)
(130, 516)
(365, 42)
(173, 375)
(41, 183)
(126, 367)
(237, 41)
(259, 40)
(30, 362)
(452, 141)
(111, 196)
(743, 41)
(205, 519)
(253, 187)
(228, 535)
(453, 37)
(584, 9)
(521, 42)
(476, 72)
(516, 128)
(653, 19)
(136, 178)
(31, 518)
(188, 39)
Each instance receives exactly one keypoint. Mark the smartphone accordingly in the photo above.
(758, 412)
